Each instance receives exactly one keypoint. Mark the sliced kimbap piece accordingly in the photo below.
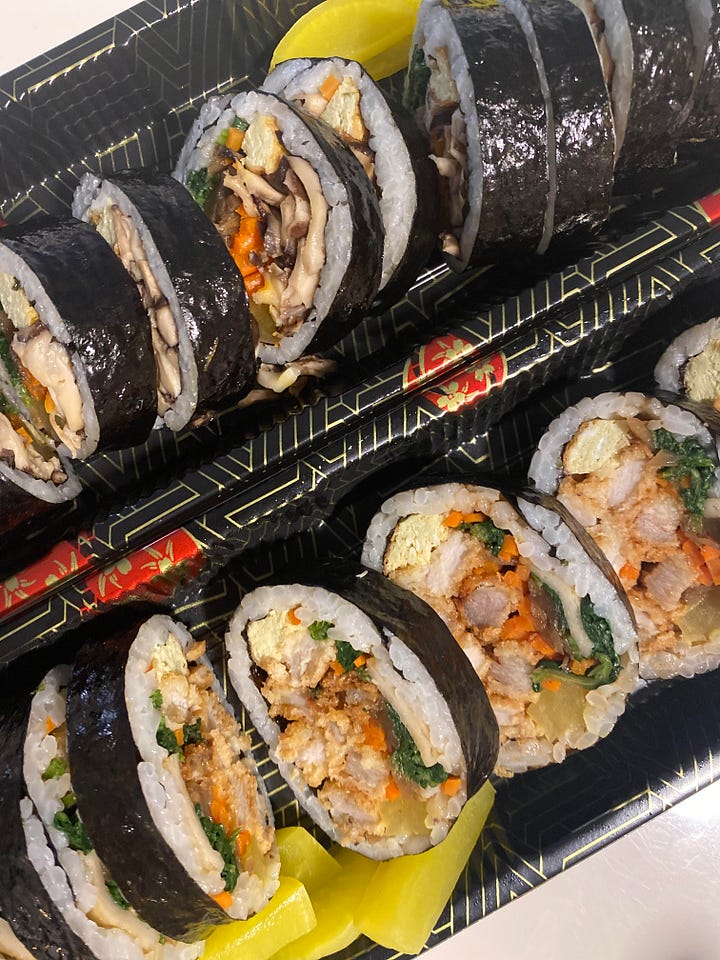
(165, 784)
(371, 713)
(647, 49)
(642, 477)
(581, 134)
(31, 883)
(475, 90)
(33, 474)
(74, 337)
(690, 366)
(299, 215)
(703, 122)
(387, 142)
(96, 910)
(553, 644)
(195, 300)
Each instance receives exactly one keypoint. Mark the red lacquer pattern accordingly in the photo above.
(65, 559)
(467, 387)
(433, 358)
(710, 206)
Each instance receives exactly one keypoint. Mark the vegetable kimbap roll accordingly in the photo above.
(387, 142)
(194, 298)
(92, 904)
(32, 472)
(642, 478)
(475, 89)
(691, 364)
(73, 338)
(648, 54)
(371, 713)
(299, 214)
(165, 784)
(552, 642)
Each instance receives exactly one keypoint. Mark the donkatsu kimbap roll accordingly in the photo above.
(552, 642)
(371, 713)
(73, 338)
(648, 53)
(642, 478)
(165, 783)
(387, 142)
(90, 901)
(691, 364)
(475, 90)
(299, 215)
(194, 297)
(581, 133)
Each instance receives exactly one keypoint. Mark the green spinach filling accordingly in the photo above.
(224, 844)
(692, 473)
(406, 757)
(417, 79)
(67, 821)
(487, 533)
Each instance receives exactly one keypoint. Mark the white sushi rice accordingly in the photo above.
(546, 471)
(394, 173)
(434, 31)
(397, 672)
(14, 265)
(164, 789)
(92, 196)
(44, 489)
(199, 145)
(604, 705)
(131, 938)
(668, 370)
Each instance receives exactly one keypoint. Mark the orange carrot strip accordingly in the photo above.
(392, 790)
(293, 617)
(453, 519)
(360, 660)
(223, 899)
(711, 556)
(544, 648)
(235, 138)
(179, 736)
(508, 551)
(242, 842)
(254, 282)
(517, 628)
(552, 685)
(49, 403)
(628, 572)
(337, 668)
(524, 606)
(474, 517)
(450, 786)
(581, 667)
(693, 553)
(374, 735)
(328, 87)
(50, 724)
(511, 578)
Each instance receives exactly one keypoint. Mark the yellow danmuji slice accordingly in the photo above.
(289, 915)
(376, 33)
(407, 895)
(302, 857)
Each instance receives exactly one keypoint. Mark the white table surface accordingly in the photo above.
(651, 895)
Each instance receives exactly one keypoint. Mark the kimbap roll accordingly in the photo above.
(691, 365)
(386, 141)
(647, 49)
(371, 713)
(74, 339)
(642, 477)
(299, 215)
(475, 89)
(194, 297)
(91, 903)
(163, 779)
(552, 642)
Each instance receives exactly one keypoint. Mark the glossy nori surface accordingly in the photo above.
(662, 82)
(513, 130)
(24, 902)
(104, 760)
(582, 116)
(361, 280)
(421, 630)
(209, 287)
(704, 120)
(104, 319)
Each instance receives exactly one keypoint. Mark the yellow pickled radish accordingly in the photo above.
(334, 904)
(289, 915)
(407, 895)
(376, 33)
(302, 857)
